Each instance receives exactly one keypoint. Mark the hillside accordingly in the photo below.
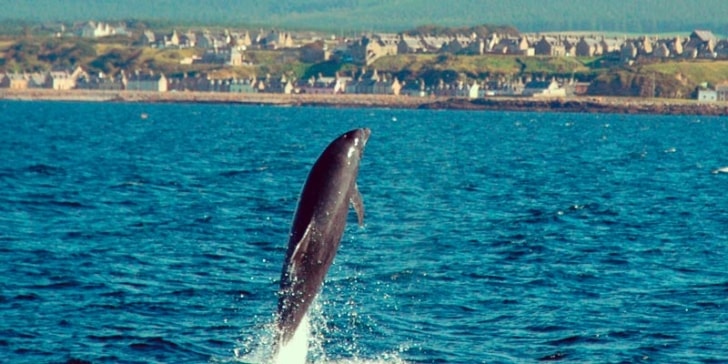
(667, 78)
(644, 16)
(432, 68)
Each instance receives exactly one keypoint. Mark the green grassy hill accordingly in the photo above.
(694, 72)
(433, 67)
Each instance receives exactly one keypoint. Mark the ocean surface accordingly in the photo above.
(155, 233)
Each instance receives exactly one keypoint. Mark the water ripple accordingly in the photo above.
(489, 237)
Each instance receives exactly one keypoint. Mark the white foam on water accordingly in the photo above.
(295, 351)
(305, 347)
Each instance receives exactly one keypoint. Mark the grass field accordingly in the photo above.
(480, 65)
(693, 71)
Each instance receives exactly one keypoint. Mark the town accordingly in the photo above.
(364, 53)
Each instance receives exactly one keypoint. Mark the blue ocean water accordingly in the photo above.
(155, 233)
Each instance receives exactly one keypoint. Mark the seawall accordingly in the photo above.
(570, 104)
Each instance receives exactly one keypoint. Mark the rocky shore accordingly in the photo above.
(573, 104)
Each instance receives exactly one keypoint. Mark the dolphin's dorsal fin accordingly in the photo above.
(358, 204)
(301, 246)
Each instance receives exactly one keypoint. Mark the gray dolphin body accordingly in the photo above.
(318, 226)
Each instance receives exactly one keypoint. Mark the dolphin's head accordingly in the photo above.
(357, 139)
(350, 146)
(339, 162)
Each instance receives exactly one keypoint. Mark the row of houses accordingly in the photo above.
(79, 79)
(205, 39)
(271, 39)
(56, 80)
(368, 48)
(226, 46)
(175, 39)
(699, 44)
(363, 82)
(88, 29)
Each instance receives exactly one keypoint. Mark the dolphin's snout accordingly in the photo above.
(360, 136)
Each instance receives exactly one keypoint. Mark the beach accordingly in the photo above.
(582, 104)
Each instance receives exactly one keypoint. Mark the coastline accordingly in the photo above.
(616, 105)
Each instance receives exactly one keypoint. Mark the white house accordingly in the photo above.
(544, 88)
(707, 95)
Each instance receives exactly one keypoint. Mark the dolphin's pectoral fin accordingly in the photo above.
(358, 204)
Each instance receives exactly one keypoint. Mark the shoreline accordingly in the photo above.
(582, 104)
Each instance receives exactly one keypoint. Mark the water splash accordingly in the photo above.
(306, 345)
(295, 351)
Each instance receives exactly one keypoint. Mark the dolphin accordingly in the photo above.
(317, 228)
